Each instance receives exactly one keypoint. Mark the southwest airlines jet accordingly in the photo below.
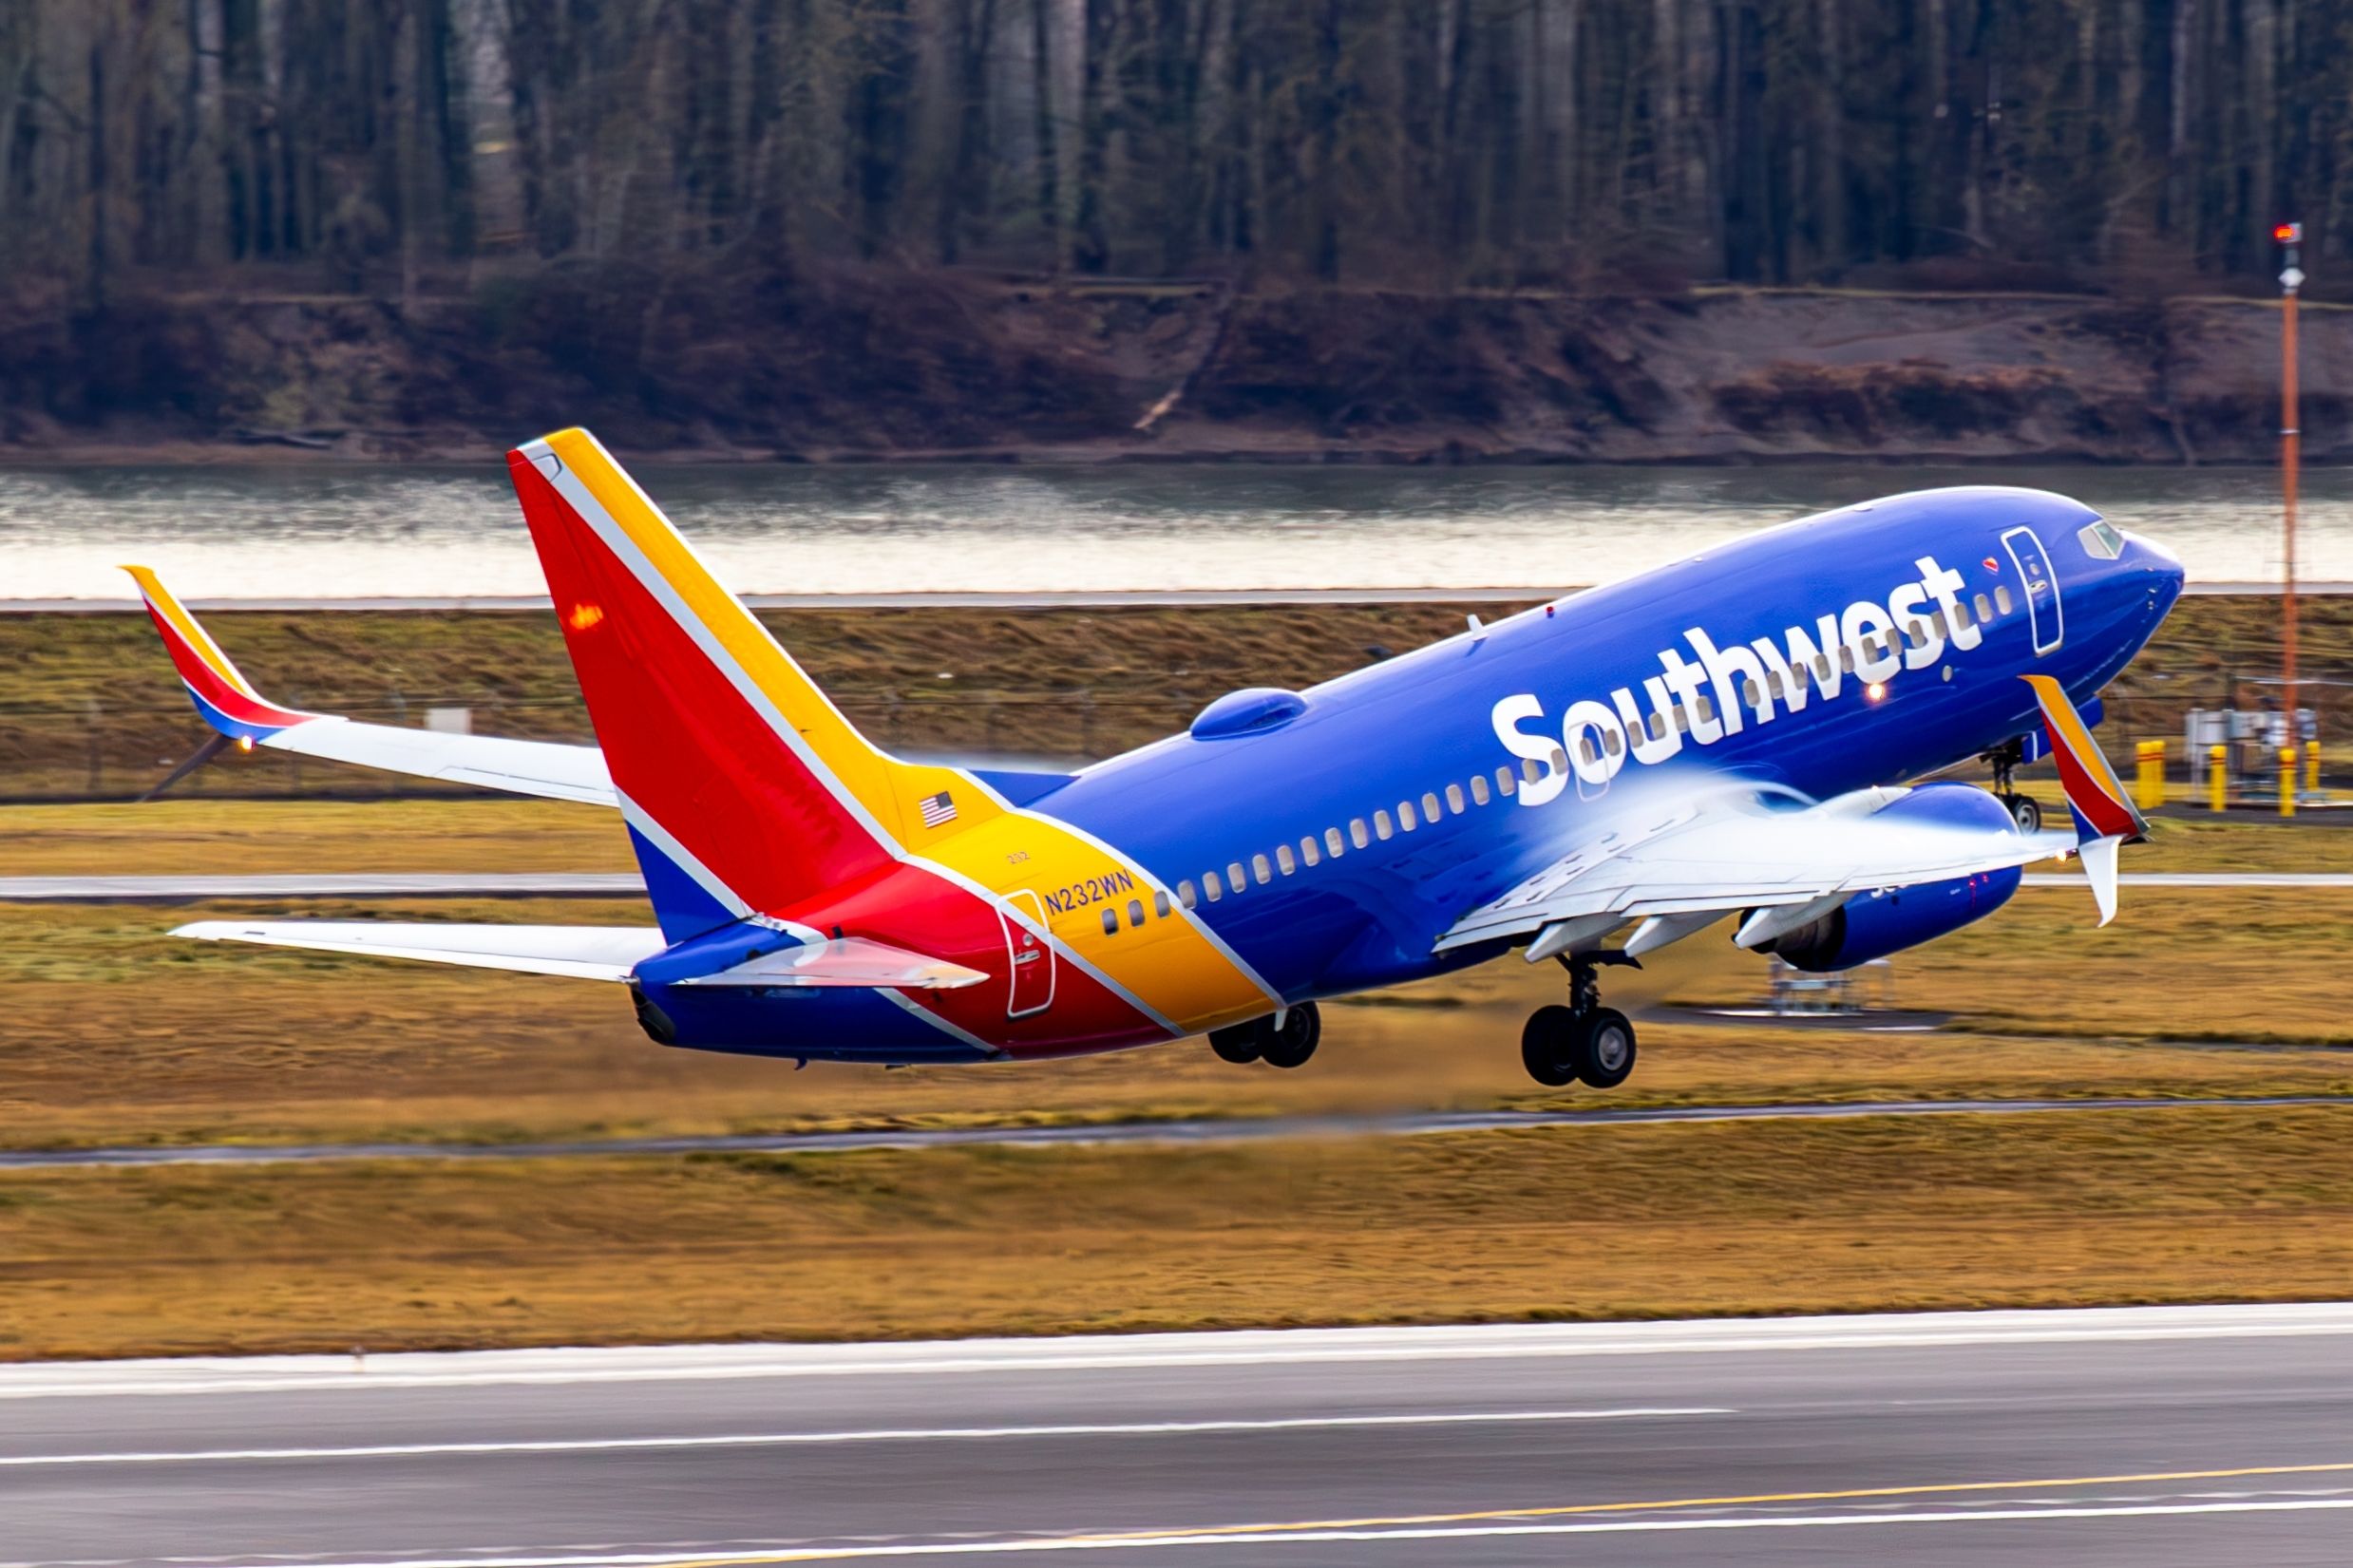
(1585, 782)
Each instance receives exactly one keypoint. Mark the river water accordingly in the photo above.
(339, 532)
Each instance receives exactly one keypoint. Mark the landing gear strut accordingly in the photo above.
(2024, 810)
(1285, 1039)
(1584, 1042)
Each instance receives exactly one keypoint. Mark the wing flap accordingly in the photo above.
(577, 953)
(1737, 855)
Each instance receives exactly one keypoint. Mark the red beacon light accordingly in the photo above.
(2288, 234)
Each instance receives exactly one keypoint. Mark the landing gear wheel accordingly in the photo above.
(1545, 1047)
(1602, 1047)
(2025, 811)
(1238, 1044)
(1294, 1042)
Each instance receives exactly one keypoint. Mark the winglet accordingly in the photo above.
(224, 697)
(2105, 814)
(2096, 796)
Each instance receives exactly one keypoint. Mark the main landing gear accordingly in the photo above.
(1584, 1042)
(2024, 810)
(1285, 1039)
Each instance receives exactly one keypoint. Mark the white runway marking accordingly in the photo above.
(1251, 1536)
(908, 1434)
(1230, 1348)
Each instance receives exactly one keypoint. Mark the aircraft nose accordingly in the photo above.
(2159, 566)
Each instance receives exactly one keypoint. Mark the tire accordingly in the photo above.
(1295, 1041)
(1544, 1047)
(2026, 812)
(1603, 1049)
(1238, 1044)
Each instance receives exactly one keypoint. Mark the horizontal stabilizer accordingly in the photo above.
(846, 961)
(578, 952)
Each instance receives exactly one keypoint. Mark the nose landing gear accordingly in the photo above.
(1584, 1042)
(1285, 1039)
(2024, 810)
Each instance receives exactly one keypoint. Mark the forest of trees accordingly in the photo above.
(1412, 143)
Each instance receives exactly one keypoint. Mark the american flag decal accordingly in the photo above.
(937, 808)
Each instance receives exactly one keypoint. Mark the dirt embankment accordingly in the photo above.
(859, 366)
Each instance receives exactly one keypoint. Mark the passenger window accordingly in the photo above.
(1915, 634)
(1454, 798)
(1430, 807)
(1185, 894)
(1959, 615)
(1234, 877)
(1332, 842)
(1210, 886)
(1846, 658)
(1406, 822)
(1506, 782)
(1283, 860)
(1357, 834)
(1707, 708)
(1381, 825)
(1311, 853)
(2001, 598)
(1160, 902)
(1135, 912)
(1532, 770)
(1478, 789)
(1258, 867)
(1585, 754)
(1749, 691)
(1984, 611)
(1111, 922)
(1822, 667)
(1612, 743)
(1683, 719)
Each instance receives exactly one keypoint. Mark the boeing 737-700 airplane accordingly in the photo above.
(1730, 736)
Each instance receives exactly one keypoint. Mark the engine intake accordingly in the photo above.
(1871, 925)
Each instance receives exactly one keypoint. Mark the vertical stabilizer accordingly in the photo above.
(746, 790)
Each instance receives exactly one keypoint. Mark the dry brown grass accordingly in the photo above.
(114, 1032)
(2163, 1205)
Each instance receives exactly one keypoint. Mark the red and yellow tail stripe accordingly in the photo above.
(225, 698)
(723, 750)
(2102, 808)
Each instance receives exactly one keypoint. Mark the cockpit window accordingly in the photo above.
(2100, 541)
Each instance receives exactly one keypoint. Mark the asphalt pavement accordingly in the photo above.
(2139, 1437)
(1200, 1130)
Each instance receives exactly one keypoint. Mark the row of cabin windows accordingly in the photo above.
(1874, 646)
(1361, 834)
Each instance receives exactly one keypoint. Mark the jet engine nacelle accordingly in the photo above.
(1871, 925)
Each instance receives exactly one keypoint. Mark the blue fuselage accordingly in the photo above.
(1386, 739)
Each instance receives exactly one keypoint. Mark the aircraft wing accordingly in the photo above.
(1735, 851)
(229, 703)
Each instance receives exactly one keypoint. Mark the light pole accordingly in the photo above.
(2290, 239)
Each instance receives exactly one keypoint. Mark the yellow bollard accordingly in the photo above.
(2149, 789)
(2311, 767)
(2288, 781)
(2217, 777)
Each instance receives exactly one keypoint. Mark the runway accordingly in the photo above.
(627, 884)
(1070, 599)
(2139, 1437)
(1199, 1131)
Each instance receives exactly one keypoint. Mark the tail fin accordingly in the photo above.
(2105, 814)
(746, 790)
(223, 696)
